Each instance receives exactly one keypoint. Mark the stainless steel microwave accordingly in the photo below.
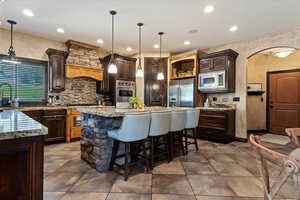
(212, 81)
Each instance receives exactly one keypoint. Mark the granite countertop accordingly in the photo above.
(15, 124)
(52, 107)
(218, 108)
(110, 111)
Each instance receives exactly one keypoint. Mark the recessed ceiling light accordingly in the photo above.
(128, 49)
(100, 41)
(0, 23)
(187, 42)
(28, 12)
(209, 8)
(2, 1)
(233, 28)
(156, 46)
(60, 30)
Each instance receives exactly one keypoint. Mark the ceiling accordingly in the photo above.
(89, 20)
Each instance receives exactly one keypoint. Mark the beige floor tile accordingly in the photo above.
(53, 195)
(196, 156)
(94, 181)
(84, 196)
(171, 184)
(210, 185)
(214, 198)
(128, 196)
(173, 167)
(75, 165)
(229, 169)
(172, 197)
(140, 183)
(60, 181)
(198, 168)
(245, 186)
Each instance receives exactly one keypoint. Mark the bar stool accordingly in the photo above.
(159, 129)
(134, 130)
(192, 119)
(178, 118)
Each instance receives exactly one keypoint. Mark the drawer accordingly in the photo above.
(212, 113)
(54, 112)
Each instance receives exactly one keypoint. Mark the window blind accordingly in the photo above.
(27, 79)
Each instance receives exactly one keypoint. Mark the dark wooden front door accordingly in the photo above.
(284, 101)
(155, 90)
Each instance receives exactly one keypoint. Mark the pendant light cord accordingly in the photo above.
(140, 47)
(113, 13)
(11, 35)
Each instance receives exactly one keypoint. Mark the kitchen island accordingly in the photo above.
(21, 156)
(96, 146)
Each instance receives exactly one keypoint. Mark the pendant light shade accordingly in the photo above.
(139, 72)
(112, 67)
(11, 51)
(160, 75)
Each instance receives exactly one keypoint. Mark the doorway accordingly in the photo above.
(283, 100)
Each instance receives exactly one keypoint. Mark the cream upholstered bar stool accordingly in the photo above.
(133, 131)
(191, 124)
(178, 119)
(159, 129)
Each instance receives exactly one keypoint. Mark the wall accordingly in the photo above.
(245, 49)
(79, 90)
(257, 68)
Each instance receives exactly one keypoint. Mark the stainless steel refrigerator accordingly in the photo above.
(182, 92)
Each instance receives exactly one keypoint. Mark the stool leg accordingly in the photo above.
(126, 170)
(114, 154)
(165, 137)
(152, 152)
(195, 138)
(181, 142)
(146, 159)
(186, 140)
(171, 142)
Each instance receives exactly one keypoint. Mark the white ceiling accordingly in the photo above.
(88, 20)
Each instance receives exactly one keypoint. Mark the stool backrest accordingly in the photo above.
(135, 126)
(178, 119)
(160, 123)
(192, 118)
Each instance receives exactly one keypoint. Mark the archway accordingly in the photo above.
(260, 65)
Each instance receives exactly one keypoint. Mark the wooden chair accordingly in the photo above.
(289, 164)
(294, 134)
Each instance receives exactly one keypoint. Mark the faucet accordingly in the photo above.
(10, 90)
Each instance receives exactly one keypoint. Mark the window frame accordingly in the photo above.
(34, 61)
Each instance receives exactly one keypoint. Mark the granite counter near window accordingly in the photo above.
(14, 124)
(21, 156)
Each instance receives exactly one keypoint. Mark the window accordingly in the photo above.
(26, 77)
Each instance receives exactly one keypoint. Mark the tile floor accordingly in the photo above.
(215, 172)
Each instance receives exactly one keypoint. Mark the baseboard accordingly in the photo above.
(257, 131)
(245, 140)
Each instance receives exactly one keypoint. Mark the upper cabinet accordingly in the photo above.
(217, 72)
(184, 65)
(57, 61)
(126, 71)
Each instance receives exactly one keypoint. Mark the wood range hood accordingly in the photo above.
(75, 68)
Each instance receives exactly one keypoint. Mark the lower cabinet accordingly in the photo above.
(74, 123)
(54, 120)
(217, 125)
(21, 168)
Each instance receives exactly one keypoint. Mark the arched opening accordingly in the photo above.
(273, 84)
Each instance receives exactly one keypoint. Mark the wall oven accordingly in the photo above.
(124, 90)
(212, 81)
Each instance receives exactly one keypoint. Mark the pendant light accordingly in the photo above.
(112, 67)
(11, 51)
(139, 72)
(160, 75)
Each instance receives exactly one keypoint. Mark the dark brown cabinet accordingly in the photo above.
(217, 125)
(21, 168)
(126, 71)
(56, 69)
(54, 120)
(220, 61)
(155, 90)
